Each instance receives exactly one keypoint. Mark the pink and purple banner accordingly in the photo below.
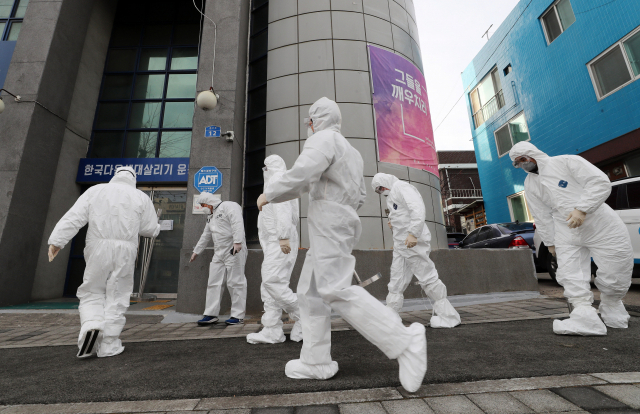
(403, 121)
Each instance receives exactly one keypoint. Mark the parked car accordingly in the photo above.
(455, 239)
(624, 200)
(502, 236)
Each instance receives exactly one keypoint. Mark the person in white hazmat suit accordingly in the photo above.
(566, 195)
(226, 228)
(117, 213)
(331, 170)
(411, 248)
(278, 234)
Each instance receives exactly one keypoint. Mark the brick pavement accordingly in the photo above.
(575, 394)
(18, 330)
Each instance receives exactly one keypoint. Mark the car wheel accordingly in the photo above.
(552, 265)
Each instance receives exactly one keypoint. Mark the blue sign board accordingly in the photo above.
(148, 170)
(208, 179)
(212, 131)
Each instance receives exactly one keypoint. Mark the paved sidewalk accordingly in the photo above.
(587, 393)
(20, 330)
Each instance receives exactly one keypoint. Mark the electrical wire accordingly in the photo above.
(597, 7)
(485, 63)
(215, 39)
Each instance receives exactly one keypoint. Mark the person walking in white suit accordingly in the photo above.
(566, 195)
(331, 170)
(411, 248)
(278, 234)
(117, 213)
(225, 228)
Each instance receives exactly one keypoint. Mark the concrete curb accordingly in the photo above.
(329, 397)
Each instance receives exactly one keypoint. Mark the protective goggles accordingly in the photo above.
(308, 122)
(518, 161)
(265, 169)
(379, 189)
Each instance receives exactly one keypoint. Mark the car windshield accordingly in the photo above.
(507, 228)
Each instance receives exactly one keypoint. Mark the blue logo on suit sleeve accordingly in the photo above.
(395, 206)
(563, 184)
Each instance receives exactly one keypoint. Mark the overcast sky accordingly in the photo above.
(450, 37)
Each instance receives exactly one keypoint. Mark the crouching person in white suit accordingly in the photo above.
(117, 213)
(277, 230)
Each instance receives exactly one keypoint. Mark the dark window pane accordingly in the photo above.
(259, 45)
(503, 140)
(2, 25)
(184, 58)
(162, 10)
(251, 224)
(187, 13)
(178, 115)
(552, 24)
(149, 87)
(5, 8)
(485, 234)
(157, 35)
(145, 115)
(186, 34)
(107, 144)
(79, 242)
(471, 238)
(251, 195)
(258, 3)
(112, 115)
(256, 133)
(141, 144)
(633, 194)
(259, 20)
(153, 59)
(258, 73)
(254, 161)
(175, 144)
(22, 8)
(117, 87)
(125, 36)
(567, 18)
(632, 46)
(14, 31)
(611, 200)
(122, 60)
(130, 11)
(181, 86)
(75, 277)
(257, 102)
(611, 71)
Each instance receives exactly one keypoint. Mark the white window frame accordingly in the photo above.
(506, 125)
(526, 206)
(553, 9)
(620, 44)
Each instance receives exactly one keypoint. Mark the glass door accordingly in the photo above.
(164, 265)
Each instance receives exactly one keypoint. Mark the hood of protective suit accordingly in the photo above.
(384, 180)
(124, 175)
(208, 198)
(529, 150)
(275, 164)
(325, 114)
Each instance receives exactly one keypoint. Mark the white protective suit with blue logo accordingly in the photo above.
(224, 227)
(331, 171)
(277, 222)
(562, 184)
(407, 215)
(117, 213)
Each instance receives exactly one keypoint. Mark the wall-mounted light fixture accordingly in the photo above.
(207, 99)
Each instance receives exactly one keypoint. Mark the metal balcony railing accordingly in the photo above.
(489, 109)
(465, 193)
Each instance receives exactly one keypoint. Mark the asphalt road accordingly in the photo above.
(227, 367)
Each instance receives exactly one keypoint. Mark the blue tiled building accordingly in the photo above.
(562, 75)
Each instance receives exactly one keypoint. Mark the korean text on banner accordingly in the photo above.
(403, 121)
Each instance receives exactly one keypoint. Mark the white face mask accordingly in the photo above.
(386, 193)
(529, 166)
(207, 210)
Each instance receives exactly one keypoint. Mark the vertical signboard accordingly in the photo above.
(403, 123)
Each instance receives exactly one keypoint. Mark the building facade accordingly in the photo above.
(560, 74)
(104, 83)
(461, 192)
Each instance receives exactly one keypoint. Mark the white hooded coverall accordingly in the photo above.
(331, 170)
(117, 213)
(225, 227)
(277, 222)
(562, 184)
(407, 214)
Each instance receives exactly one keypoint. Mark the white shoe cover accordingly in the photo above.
(444, 315)
(297, 369)
(413, 361)
(614, 314)
(268, 335)
(110, 347)
(583, 321)
(296, 332)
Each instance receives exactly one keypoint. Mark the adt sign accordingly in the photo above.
(208, 179)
